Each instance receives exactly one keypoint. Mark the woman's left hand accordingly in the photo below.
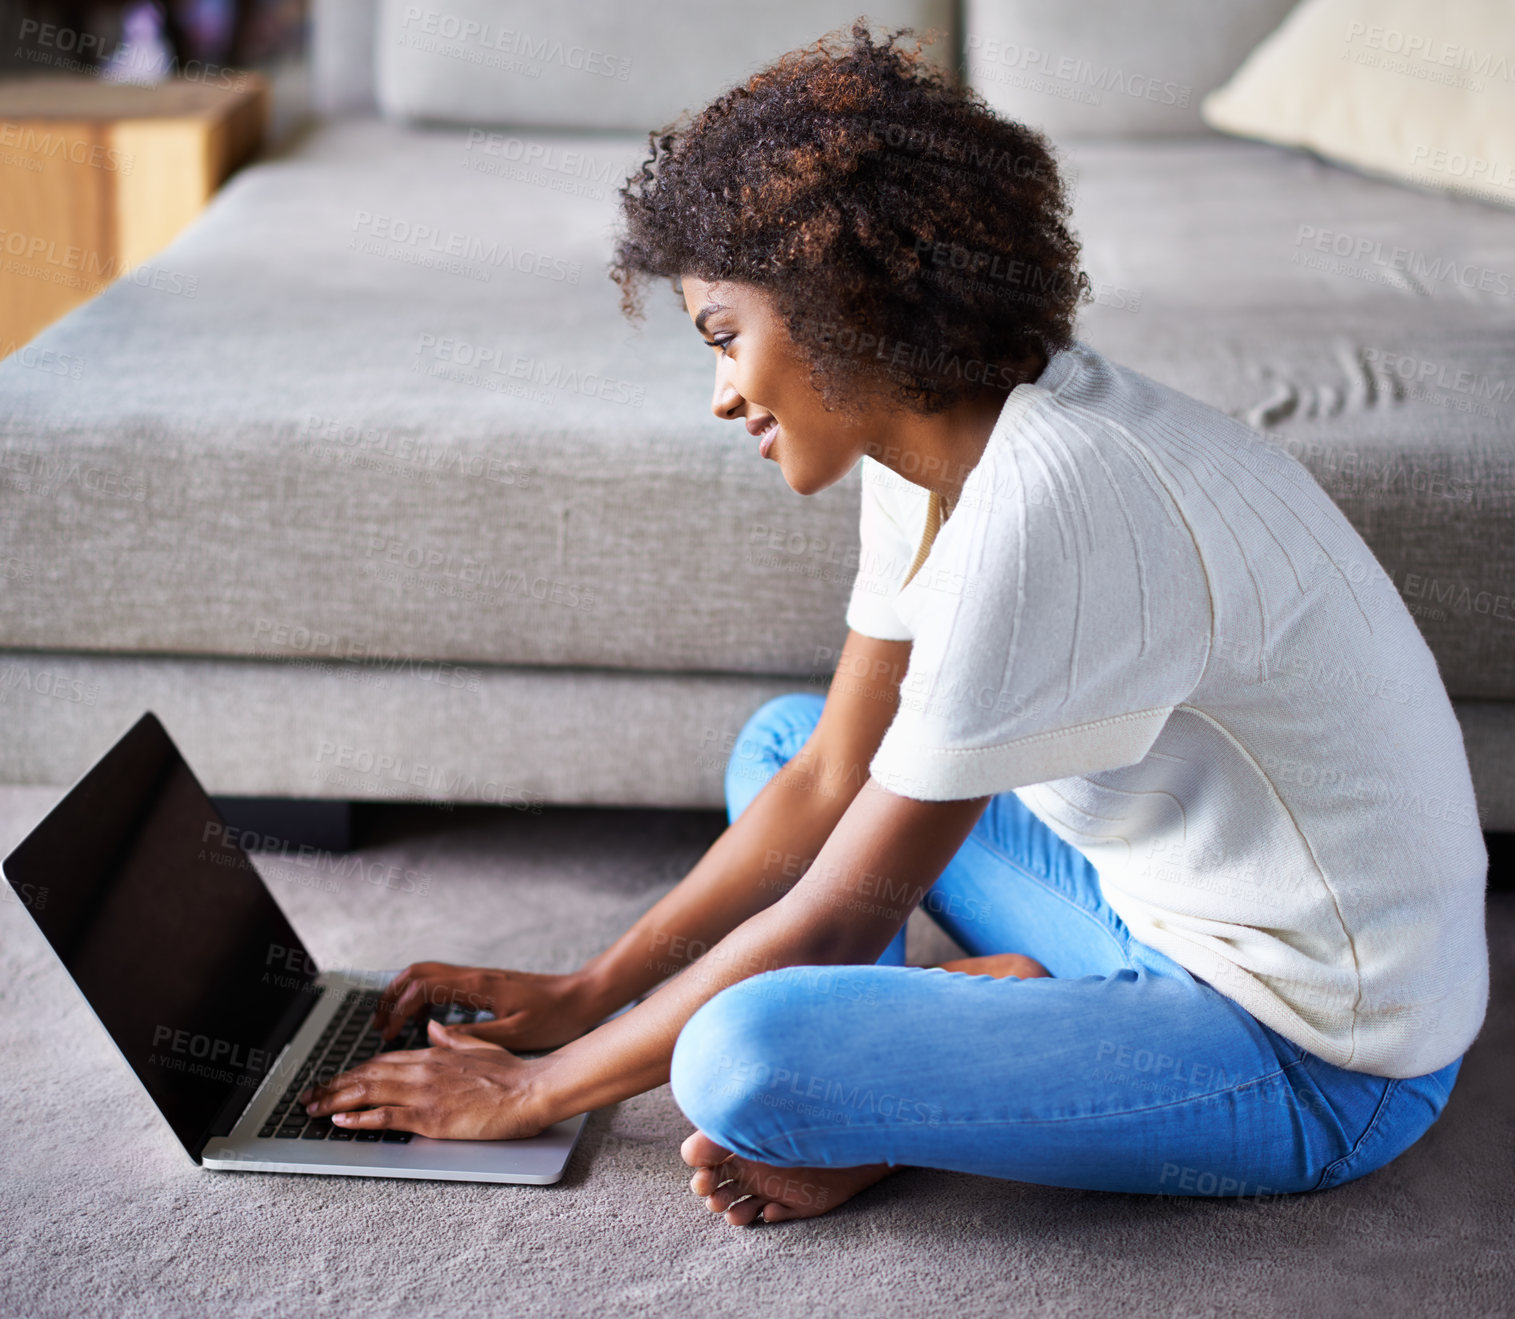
(463, 1088)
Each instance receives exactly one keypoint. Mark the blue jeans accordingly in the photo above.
(1121, 1072)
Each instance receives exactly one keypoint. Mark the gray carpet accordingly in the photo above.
(134, 1228)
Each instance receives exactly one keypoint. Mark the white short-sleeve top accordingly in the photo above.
(1158, 631)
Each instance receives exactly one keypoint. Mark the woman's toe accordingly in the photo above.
(699, 1151)
(743, 1212)
(707, 1180)
(723, 1197)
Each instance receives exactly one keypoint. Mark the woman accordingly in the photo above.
(1125, 703)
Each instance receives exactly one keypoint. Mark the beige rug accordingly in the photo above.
(105, 1215)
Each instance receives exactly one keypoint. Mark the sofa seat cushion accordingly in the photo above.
(401, 413)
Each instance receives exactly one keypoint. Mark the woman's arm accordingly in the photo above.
(878, 863)
(763, 852)
(751, 865)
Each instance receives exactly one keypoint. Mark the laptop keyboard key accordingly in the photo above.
(398, 1137)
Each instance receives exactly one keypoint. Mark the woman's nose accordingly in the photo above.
(726, 402)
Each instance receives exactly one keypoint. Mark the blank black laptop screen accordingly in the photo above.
(168, 930)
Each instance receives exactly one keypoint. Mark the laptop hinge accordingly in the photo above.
(289, 1025)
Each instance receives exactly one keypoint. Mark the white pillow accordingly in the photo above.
(1422, 91)
(1109, 68)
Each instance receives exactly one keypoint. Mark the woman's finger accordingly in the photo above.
(503, 1033)
(384, 1081)
(391, 994)
(410, 1001)
(462, 1038)
(372, 1119)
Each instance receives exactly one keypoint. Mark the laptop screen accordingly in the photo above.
(168, 930)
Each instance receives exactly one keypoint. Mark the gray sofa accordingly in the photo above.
(398, 505)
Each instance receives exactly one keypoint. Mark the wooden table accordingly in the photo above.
(96, 177)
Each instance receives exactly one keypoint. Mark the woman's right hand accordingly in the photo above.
(532, 1011)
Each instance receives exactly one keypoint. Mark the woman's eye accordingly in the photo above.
(720, 344)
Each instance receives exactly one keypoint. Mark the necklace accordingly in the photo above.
(937, 509)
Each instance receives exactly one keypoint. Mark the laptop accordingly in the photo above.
(184, 956)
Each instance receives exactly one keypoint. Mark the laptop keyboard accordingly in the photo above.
(350, 1039)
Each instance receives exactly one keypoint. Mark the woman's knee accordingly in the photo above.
(730, 1056)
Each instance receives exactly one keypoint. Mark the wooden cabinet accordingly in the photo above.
(96, 177)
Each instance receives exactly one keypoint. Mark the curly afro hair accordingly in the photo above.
(914, 243)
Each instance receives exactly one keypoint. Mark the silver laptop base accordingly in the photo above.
(535, 1160)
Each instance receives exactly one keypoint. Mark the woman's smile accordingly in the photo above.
(766, 432)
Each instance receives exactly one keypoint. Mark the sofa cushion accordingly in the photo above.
(402, 414)
(494, 735)
(1109, 67)
(616, 64)
(1417, 90)
(487, 735)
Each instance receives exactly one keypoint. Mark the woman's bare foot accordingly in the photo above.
(773, 1193)
(999, 965)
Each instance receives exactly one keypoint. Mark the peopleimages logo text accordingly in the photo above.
(212, 1049)
(371, 232)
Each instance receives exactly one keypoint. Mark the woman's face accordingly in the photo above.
(762, 380)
